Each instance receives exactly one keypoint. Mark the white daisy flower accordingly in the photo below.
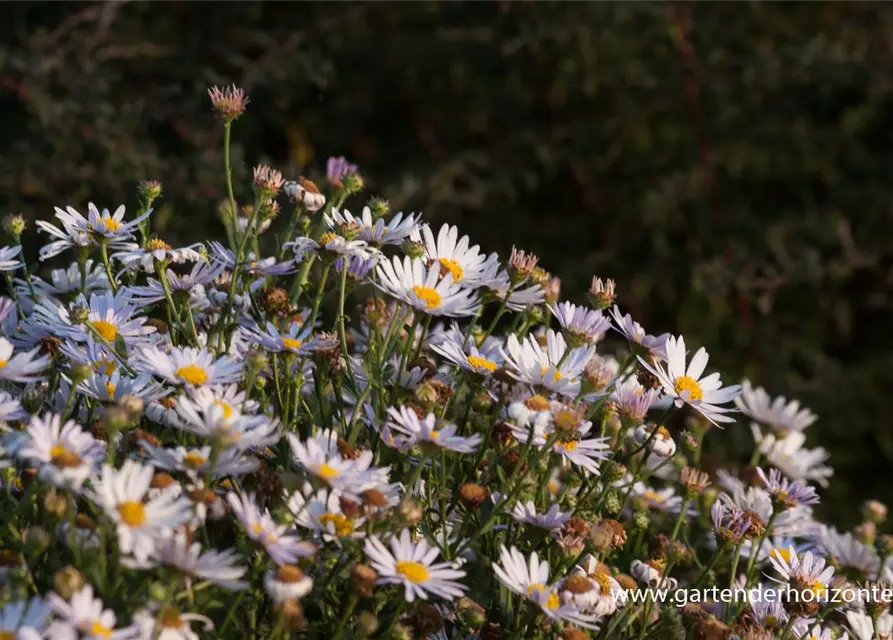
(66, 454)
(426, 432)
(157, 250)
(188, 366)
(238, 431)
(632, 401)
(482, 359)
(424, 289)
(21, 367)
(789, 456)
(864, 627)
(847, 551)
(109, 315)
(651, 574)
(11, 409)
(657, 499)
(286, 583)
(758, 504)
(468, 266)
(552, 519)
(319, 457)
(516, 299)
(260, 527)
(67, 281)
(218, 567)
(686, 386)
(321, 512)
(804, 572)
(169, 624)
(110, 389)
(295, 338)
(25, 619)
(656, 346)
(779, 414)
(197, 461)
(89, 616)
(610, 594)
(530, 579)
(334, 244)
(376, 231)
(230, 398)
(78, 231)
(557, 368)
(774, 546)
(412, 565)
(8, 261)
(582, 325)
(140, 523)
(201, 274)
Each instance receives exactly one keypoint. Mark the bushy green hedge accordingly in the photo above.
(734, 157)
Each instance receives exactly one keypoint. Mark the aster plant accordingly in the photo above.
(365, 426)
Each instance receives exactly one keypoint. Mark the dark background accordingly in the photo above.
(728, 164)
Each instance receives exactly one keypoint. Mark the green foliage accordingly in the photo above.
(726, 163)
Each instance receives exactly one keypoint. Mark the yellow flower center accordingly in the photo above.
(453, 267)
(537, 403)
(105, 329)
(194, 459)
(566, 420)
(3, 363)
(98, 629)
(553, 602)
(569, 445)
(156, 244)
(427, 295)
(555, 376)
(132, 513)
(536, 586)
(63, 458)
(105, 367)
(603, 580)
(687, 383)
(413, 571)
(110, 389)
(292, 343)
(782, 554)
(477, 362)
(7, 635)
(342, 524)
(326, 238)
(192, 373)
(653, 496)
(327, 471)
(110, 223)
(227, 409)
(170, 618)
(817, 587)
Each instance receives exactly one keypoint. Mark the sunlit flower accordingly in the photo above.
(78, 231)
(849, 554)
(259, 525)
(87, 615)
(552, 519)
(189, 366)
(468, 266)
(218, 567)
(686, 386)
(22, 367)
(197, 462)
(321, 511)
(426, 431)
(140, 523)
(8, 258)
(412, 565)
(794, 460)
(286, 583)
(157, 250)
(376, 231)
(789, 493)
(805, 571)
(295, 338)
(169, 623)
(423, 288)
(779, 414)
(557, 368)
(65, 453)
(582, 325)
(466, 354)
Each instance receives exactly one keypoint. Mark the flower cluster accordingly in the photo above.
(364, 426)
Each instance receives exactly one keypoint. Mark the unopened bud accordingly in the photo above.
(413, 249)
(612, 502)
(67, 581)
(640, 520)
(410, 511)
(132, 404)
(874, 511)
(55, 502)
(352, 182)
(470, 613)
(79, 315)
(148, 191)
(363, 577)
(366, 624)
(426, 620)
(79, 372)
(15, 224)
(379, 207)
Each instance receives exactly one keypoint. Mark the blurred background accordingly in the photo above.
(728, 164)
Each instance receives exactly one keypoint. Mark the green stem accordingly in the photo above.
(103, 250)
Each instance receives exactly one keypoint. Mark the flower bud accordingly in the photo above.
(67, 581)
(426, 620)
(133, 405)
(79, 372)
(615, 471)
(379, 207)
(640, 520)
(472, 495)
(148, 191)
(470, 613)
(80, 315)
(55, 502)
(410, 512)
(15, 224)
(612, 502)
(874, 511)
(352, 182)
(366, 624)
(413, 249)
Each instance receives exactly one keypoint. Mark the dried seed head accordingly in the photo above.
(522, 265)
(472, 495)
(363, 577)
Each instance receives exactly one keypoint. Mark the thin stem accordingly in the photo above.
(103, 251)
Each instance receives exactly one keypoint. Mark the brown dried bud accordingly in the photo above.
(374, 498)
(274, 300)
(67, 581)
(138, 436)
(55, 502)
(472, 495)
(426, 620)
(410, 511)
(573, 634)
(162, 480)
(607, 534)
(363, 577)
(874, 511)
(711, 628)
(160, 325)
